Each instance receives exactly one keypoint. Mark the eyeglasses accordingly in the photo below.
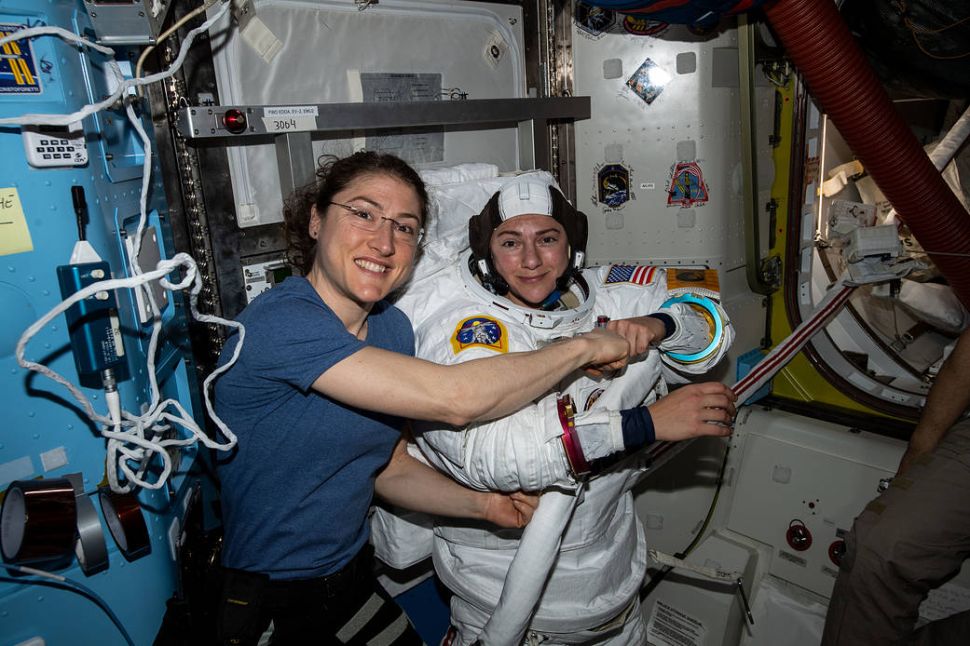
(403, 232)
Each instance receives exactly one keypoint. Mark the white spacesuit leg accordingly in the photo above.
(627, 629)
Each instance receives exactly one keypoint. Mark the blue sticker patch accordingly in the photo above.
(18, 68)
(481, 332)
(594, 21)
(613, 185)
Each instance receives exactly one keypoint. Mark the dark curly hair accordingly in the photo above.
(333, 175)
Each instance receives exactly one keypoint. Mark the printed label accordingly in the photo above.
(289, 123)
(291, 111)
(669, 626)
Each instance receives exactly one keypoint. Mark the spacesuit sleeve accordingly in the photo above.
(694, 348)
(641, 290)
(522, 451)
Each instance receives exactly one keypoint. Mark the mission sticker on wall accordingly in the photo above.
(648, 81)
(613, 185)
(593, 21)
(687, 187)
(18, 71)
(643, 26)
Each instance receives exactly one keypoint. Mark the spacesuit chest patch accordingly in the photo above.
(636, 274)
(480, 332)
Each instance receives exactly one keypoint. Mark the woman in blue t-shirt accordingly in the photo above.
(317, 399)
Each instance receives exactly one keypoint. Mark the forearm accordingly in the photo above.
(478, 389)
(408, 483)
(502, 385)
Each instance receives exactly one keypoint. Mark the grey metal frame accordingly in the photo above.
(294, 154)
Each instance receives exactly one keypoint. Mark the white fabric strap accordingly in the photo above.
(529, 570)
(781, 354)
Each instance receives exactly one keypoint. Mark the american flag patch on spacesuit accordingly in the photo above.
(480, 332)
(636, 274)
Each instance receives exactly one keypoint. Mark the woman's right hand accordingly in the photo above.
(609, 351)
(694, 410)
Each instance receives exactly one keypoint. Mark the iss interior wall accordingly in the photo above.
(775, 479)
(44, 434)
(659, 166)
(326, 46)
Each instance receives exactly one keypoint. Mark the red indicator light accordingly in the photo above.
(235, 121)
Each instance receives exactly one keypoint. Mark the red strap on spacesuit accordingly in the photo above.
(570, 440)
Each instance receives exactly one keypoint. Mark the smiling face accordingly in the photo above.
(354, 268)
(530, 252)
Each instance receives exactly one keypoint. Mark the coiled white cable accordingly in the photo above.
(129, 450)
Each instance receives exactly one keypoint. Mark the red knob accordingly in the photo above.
(235, 121)
(798, 536)
(837, 551)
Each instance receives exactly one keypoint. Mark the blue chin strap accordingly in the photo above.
(708, 306)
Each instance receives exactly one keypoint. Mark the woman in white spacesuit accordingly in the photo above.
(519, 287)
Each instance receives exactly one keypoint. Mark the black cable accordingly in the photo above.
(80, 210)
(655, 580)
(48, 578)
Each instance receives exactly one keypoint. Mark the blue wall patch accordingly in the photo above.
(613, 185)
(18, 67)
(593, 21)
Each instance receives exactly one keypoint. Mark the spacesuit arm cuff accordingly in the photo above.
(670, 326)
(600, 433)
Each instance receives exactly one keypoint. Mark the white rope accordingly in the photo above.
(129, 450)
(123, 84)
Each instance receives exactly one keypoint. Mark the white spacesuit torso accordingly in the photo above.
(603, 553)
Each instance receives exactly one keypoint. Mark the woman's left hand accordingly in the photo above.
(509, 510)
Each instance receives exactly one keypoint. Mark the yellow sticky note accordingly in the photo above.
(14, 234)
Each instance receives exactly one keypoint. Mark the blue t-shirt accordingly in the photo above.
(297, 488)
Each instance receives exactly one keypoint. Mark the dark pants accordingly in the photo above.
(909, 540)
(347, 607)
